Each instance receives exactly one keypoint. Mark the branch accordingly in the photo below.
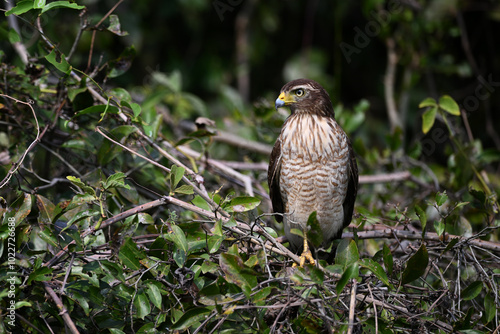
(95, 31)
(226, 170)
(62, 309)
(382, 178)
(39, 135)
(352, 306)
(379, 231)
(230, 139)
(392, 60)
(18, 46)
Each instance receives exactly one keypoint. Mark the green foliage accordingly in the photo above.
(139, 219)
(416, 265)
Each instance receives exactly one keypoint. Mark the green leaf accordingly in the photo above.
(200, 202)
(154, 295)
(61, 65)
(116, 331)
(130, 255)
(441, 198)
(388, 259)
(117, 67)
(262, 294)
(77, 182)
(47, 236)
(490, 308)
(428, 118)
(38, 4)
(416, 265)
(47, 210)
(184, 189)
(352, 271)
(141, 303)
(236, 272)
(472, 291)
(145, 218)
(136, 108)
(448, 104)
(176, 174)
(190, 318)
(428, 102)
(22, 206)
(314, 234)
(242, 204)
(178, 237)
(347, 253)
(376, 269)
(214, 243)
(13, 36)
(450, 245)
(460, 204)
(116, 180)
(115, 26)
(40, 274)
(21, 8)
(83, 301)
(101, 108)
(439, 226)
(298, 232)
(422, 216)
(121, 94)
(80, 216)
(64, 4)
(112, 270)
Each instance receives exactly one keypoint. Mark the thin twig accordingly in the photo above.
(95, 31)
(63, 312)
(83, 26)
(38, 137)
(18, 46)
(231, 139)
(352, 306)
(389, 79)
(68, 271)
(374, 308)
(384, 231)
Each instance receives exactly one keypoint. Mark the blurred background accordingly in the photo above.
(392, 54)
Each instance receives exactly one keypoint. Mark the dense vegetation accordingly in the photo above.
(134, 142)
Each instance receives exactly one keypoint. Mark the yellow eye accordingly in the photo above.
(299, 92)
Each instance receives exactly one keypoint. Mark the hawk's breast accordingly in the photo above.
(314, 173)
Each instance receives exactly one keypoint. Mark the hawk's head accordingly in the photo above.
(305, 96)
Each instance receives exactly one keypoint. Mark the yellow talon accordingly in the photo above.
(306, 254)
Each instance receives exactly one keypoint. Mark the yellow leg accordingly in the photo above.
(306, 254)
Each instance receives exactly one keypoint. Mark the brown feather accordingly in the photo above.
(314, 159)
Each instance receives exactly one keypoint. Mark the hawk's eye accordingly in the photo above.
(299, 92)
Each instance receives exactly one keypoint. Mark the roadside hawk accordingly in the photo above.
(312, 167)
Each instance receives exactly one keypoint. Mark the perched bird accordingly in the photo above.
(312, 167)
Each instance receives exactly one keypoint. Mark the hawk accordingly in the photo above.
(312, 167)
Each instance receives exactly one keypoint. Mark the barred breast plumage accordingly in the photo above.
(314, 160)
(312, 165)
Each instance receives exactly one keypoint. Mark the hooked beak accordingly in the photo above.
(283, 100)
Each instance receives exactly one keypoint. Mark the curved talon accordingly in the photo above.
(306, 254)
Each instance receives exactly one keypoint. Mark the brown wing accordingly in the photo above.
(273, 180)
(352, 187)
